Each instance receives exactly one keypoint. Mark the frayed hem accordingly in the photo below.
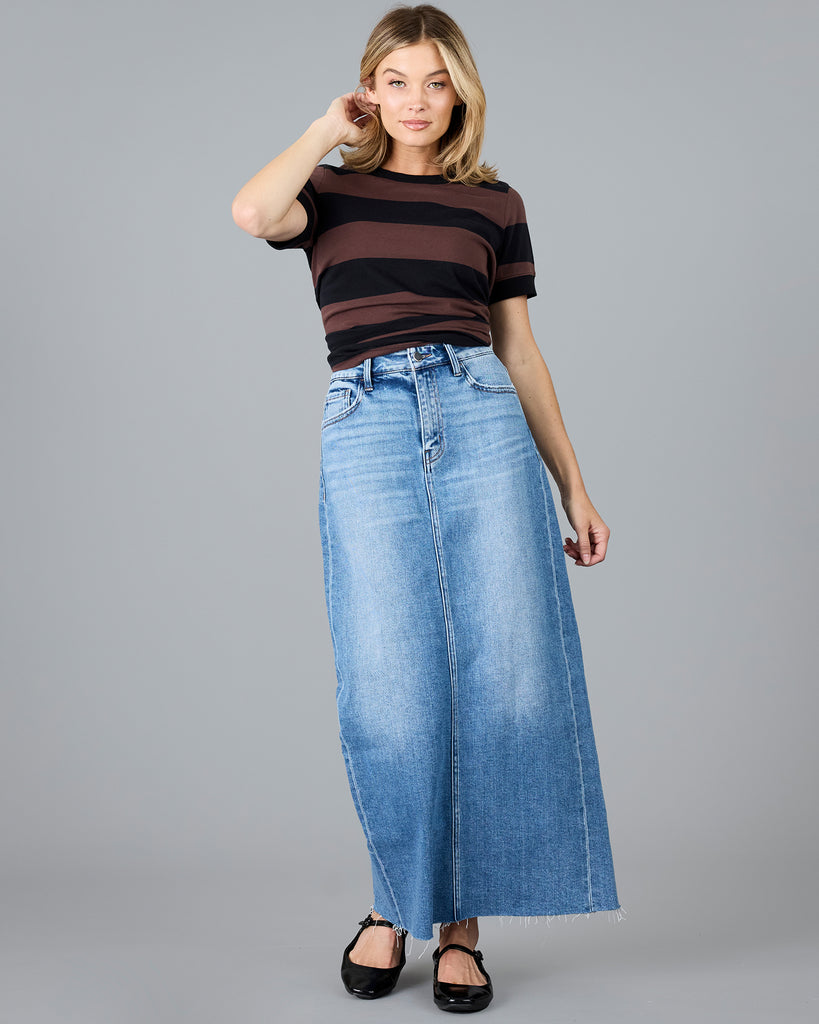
(446, 924)
(614, 916)
(441, 924)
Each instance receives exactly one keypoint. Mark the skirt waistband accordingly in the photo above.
(411, 359)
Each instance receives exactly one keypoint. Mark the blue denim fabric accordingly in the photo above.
(463, 713)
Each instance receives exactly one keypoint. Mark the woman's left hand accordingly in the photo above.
(592, 532)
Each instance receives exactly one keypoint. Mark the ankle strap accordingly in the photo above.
(369, 919)
(476, 953)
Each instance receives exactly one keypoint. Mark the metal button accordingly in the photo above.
(418, 355)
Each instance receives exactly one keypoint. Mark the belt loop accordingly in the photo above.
(453, 359)
(368, 376)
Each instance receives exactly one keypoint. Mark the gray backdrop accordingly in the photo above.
(179, 842)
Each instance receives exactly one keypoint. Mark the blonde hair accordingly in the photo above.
(459, 155)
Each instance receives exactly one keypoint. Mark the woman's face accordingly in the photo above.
(415, 93)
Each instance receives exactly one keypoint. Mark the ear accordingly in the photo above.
(367, 93)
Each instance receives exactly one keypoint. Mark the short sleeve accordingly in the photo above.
(515, 263)
(308, 197)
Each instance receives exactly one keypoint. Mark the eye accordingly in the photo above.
(442, 84)
(396, 81)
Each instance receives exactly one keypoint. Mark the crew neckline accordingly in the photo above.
(382, 172)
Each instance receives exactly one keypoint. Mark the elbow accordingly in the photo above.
(245, 217)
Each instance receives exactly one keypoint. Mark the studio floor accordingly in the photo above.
(172, 947)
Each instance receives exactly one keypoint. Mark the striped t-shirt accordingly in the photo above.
(409, 259)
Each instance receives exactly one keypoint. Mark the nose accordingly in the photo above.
(417, 103)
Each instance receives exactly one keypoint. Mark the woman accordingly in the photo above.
(464, 719)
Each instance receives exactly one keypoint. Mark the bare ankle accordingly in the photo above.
(464, 932)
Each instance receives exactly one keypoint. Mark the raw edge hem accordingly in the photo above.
(614, 915)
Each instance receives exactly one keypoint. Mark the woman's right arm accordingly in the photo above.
(266, 207)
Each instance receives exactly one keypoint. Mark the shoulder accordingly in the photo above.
(509, 200)
(515, 210)
(508, 190)
(333, 169)
(329, 173)
(499, 186)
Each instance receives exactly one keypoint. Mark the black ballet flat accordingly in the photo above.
(371, 982)
(461, 998)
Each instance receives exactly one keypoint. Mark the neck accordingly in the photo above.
(411, 159)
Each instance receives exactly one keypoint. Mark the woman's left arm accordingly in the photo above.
(514, 344)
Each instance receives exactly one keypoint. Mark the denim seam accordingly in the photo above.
(453, 675)
(543, 485)
(360, 803)
(356, 791)
(453, 667)
(433, 457)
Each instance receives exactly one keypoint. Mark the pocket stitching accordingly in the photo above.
(480, 386)
(353, 403)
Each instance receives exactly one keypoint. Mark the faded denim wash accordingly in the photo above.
(463, 714)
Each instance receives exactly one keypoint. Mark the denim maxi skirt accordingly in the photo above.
(463, 714)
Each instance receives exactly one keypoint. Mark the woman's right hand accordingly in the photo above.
(341, 114)
(267, 206)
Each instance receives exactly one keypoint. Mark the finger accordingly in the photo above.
(599, 537)
(584, 546)
(601, 545)
(574, 554)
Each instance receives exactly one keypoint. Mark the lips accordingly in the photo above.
(416, 125)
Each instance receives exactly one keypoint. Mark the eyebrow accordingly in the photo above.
(392, 71)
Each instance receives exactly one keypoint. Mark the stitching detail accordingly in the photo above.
(434, 456)
(543, 485)
(351, 374)
(369, 833)
(355, 789)
(453, 666)
(348, 408)
(480, 386)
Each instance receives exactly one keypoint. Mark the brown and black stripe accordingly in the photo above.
(408, 259)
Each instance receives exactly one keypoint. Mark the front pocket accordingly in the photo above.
(343, 395)
(486, 372)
